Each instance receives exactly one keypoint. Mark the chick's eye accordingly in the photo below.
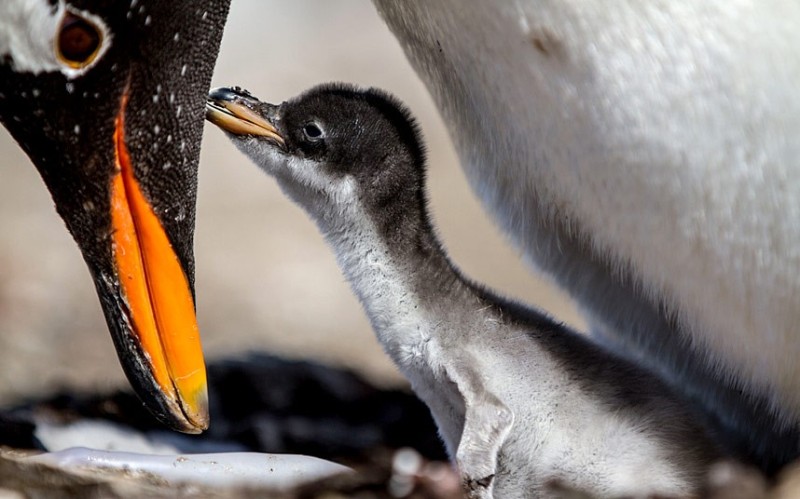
(78, 41)
(312, 131)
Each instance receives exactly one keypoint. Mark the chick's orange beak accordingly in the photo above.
(160, 305)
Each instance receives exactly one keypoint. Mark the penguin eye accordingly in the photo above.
(77, 41)
(312, 132)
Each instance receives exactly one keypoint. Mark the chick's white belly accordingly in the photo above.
(561, 432)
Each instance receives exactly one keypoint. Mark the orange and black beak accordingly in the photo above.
(160, 309)
(118, 148)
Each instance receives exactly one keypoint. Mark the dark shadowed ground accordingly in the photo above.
(313, 409)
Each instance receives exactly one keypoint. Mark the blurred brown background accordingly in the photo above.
(265, 279)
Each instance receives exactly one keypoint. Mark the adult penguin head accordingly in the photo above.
(107, 99)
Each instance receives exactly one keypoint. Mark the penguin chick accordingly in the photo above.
(519, 400)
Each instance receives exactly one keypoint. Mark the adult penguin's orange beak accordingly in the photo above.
(115, 134)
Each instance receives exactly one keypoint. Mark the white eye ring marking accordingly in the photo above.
(29, 31)
(313, 132)
(72, 70)
(73, 31)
